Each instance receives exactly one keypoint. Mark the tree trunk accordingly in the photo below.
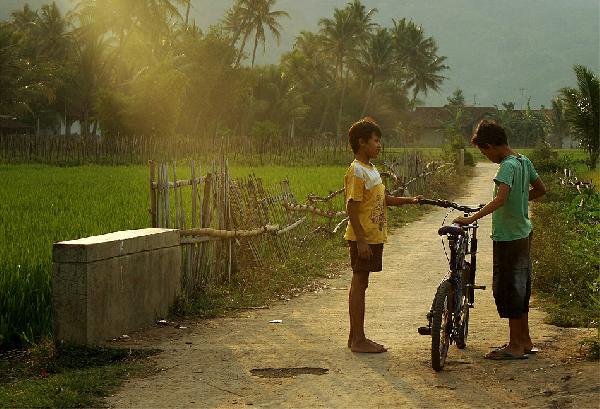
(241, 53)
(68, 123)
(187, 13)
(85, 124)
(324, 115)
(254, 51)
(368, 98)
(341, 109)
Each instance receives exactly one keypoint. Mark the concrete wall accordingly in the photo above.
(105, 286)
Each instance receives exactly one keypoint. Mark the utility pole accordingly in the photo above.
(522, 96)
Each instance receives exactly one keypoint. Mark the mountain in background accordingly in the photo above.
(497, 51)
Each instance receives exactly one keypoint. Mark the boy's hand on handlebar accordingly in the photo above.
(463, 220)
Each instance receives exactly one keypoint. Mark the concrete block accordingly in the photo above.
(113, 245)
(126, 283)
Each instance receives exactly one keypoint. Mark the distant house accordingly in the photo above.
(429, 122)
(12, 126)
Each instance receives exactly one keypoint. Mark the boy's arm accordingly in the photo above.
(539, 189)
(364, 251)
(399, 201)
(498, 202)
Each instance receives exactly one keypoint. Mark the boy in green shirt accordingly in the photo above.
(511, 235)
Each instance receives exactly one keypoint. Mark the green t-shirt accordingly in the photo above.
(511, 221)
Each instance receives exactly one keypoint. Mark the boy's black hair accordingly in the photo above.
(488, 132)
(362, 129)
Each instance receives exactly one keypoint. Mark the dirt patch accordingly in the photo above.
(210, 363)
(287, 372)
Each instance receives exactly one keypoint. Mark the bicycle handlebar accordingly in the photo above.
(447, 203)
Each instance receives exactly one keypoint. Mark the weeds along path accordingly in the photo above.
(225, 362)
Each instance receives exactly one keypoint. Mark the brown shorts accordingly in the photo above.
(512, 277)
(362, 264)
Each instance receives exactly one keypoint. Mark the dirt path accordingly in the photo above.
(210, 364)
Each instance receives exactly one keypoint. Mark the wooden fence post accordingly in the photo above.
(153, 220)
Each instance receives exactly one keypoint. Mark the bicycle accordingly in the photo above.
(448, 318)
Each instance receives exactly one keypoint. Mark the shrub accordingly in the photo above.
(452, 151)
(565, 253)
(547, 160)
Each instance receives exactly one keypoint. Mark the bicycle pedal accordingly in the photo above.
(424, 331)
(479, 287)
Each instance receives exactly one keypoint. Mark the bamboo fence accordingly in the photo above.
(138, 149)
(226, 223)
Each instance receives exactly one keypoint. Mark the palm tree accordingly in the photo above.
(348, 28)
(376, 61)
(262, 16)
(51, 31)
(581, 110)
(557, 125)
(308, 66)
(341, 35)
(417, 55)
(425, 74)
(234, 22)
(248, 16)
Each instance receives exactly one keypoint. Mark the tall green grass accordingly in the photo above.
(41, 205)
(566, 253)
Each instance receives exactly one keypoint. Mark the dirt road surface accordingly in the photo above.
(303, 361)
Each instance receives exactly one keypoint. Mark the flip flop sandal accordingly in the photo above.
(503, 355)
(532, 351)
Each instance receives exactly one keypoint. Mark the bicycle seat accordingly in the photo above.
(453, 230)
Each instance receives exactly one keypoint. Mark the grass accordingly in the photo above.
(66, 376)
(64, 203)
(41, 205)
(566, 254)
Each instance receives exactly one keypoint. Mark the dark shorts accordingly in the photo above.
(363, 265)
(512, 277)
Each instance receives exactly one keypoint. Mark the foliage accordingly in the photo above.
(454, 138)
(142, 68)
(565, 253)
(68, 203)
(56, 376)
(582, 111)
(523, 128)
(557, 127)
(547, 160)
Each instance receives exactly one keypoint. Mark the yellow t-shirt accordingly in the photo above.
(362, 183)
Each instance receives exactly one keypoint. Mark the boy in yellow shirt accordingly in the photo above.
(366, 202)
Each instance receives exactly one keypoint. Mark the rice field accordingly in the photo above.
(40, 205)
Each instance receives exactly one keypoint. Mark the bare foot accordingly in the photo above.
(367, 346)
(378, 345)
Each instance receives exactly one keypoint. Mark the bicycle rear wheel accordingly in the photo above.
(441, 325)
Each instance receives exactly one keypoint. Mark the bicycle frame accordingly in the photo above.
(459, 249)
(448, 318)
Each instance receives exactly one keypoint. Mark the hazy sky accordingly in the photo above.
(498, 50)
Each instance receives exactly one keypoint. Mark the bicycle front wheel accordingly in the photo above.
(441, 325)
(463, 332)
